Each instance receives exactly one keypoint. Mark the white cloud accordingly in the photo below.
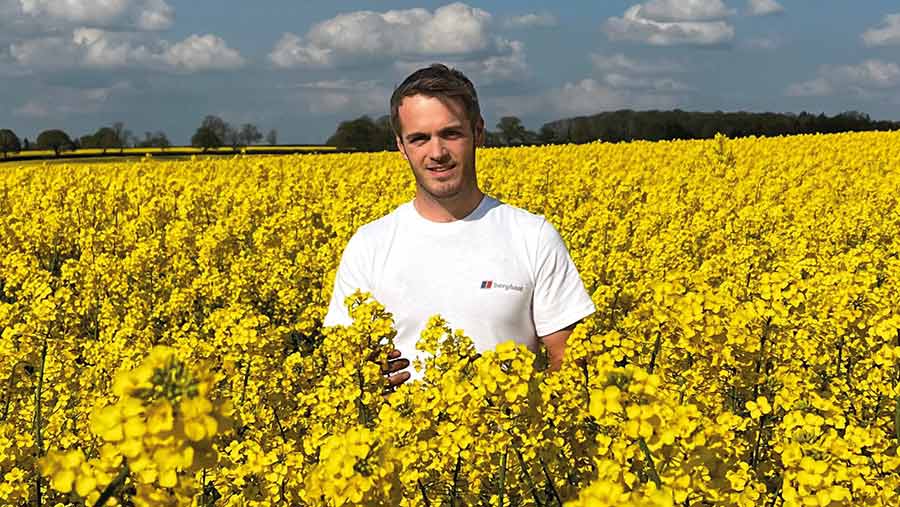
(343, 96)
(32, 109)
(622, 81)
(509, 65)
(290, 51)
(155, 15)
(636, 25)
(60, 101)
(139, 14)
(454, 29)
(685, 10)
(339, 84)
(885, 34)
(531, 20)
(620, 63)
(95, 48)
(589, 96)
(863, 79)
(202, 52)
(763, 7)
(766, 43)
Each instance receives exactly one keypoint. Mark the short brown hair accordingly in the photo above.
(436, 80)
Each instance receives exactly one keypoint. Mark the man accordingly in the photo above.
(495, 271)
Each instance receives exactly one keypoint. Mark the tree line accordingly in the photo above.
(366, 134)
(213, 132)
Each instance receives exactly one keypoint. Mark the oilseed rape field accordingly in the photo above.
(162, 341)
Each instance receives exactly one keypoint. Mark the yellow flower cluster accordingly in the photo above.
(156, 436)
(161, 338)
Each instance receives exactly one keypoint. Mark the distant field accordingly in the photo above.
(90, 153)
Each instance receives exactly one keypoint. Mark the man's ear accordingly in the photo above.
(401, 147)
(479, 132)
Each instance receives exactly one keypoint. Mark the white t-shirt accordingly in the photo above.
(499, 274)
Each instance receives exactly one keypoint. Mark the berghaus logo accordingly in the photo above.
(490, 284)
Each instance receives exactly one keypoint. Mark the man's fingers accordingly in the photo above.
(395, 365)
(394, 354)
(396, 380)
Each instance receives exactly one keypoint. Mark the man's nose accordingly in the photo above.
(437, 150)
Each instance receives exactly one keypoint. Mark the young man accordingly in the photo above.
(493, 270)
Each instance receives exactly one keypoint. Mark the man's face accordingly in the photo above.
(438, 141)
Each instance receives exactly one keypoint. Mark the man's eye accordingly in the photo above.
(453, 134)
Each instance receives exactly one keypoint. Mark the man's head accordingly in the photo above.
(438, 124)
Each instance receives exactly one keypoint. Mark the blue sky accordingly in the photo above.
(302, 66)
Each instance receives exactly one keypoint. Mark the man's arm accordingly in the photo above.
(556, 345)
(560, 299)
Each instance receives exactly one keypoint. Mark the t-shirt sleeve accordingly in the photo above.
(351, 275)
(560, 298)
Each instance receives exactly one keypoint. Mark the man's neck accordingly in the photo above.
(448, 210)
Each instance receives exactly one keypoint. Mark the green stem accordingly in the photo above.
(528, 479)
(38, 420)
(897, 418)
(651, 468)
(656, 347)
(424, 494)
(502, 477)
(550, 485)
(246, 379)
(454, 492)
(113, 486)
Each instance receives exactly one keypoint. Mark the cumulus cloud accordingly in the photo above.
(96, 48)
(61, 101)
(138, 14)
(672, 23)
(763, 7)
(343, 96)
(531, 20)
(620, 63)
(885, 34)
(454, 29)
(589, 96)
(862, 79)
(509, 65)
(202, 52)
(685, 10)
(623, 81)
(766, 43)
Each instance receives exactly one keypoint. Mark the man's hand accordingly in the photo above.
(389, 368)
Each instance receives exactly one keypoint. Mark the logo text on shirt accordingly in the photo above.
(490, 284)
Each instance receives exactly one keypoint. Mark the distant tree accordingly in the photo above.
(123, 136)
(26, 144)
(232, 138)
(387, 137)
(9, 142)
(55, 140)
(492, 139)
(511, 131)
(361, 134)
(213, 132)
(105, 138)
(156, 139)
(249, 134)
(548, 136)
(272, 137)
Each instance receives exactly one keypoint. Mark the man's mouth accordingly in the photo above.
(441, 168)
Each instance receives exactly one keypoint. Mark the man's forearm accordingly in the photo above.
(556, 346)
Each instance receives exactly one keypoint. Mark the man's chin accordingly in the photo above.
(442, 193)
